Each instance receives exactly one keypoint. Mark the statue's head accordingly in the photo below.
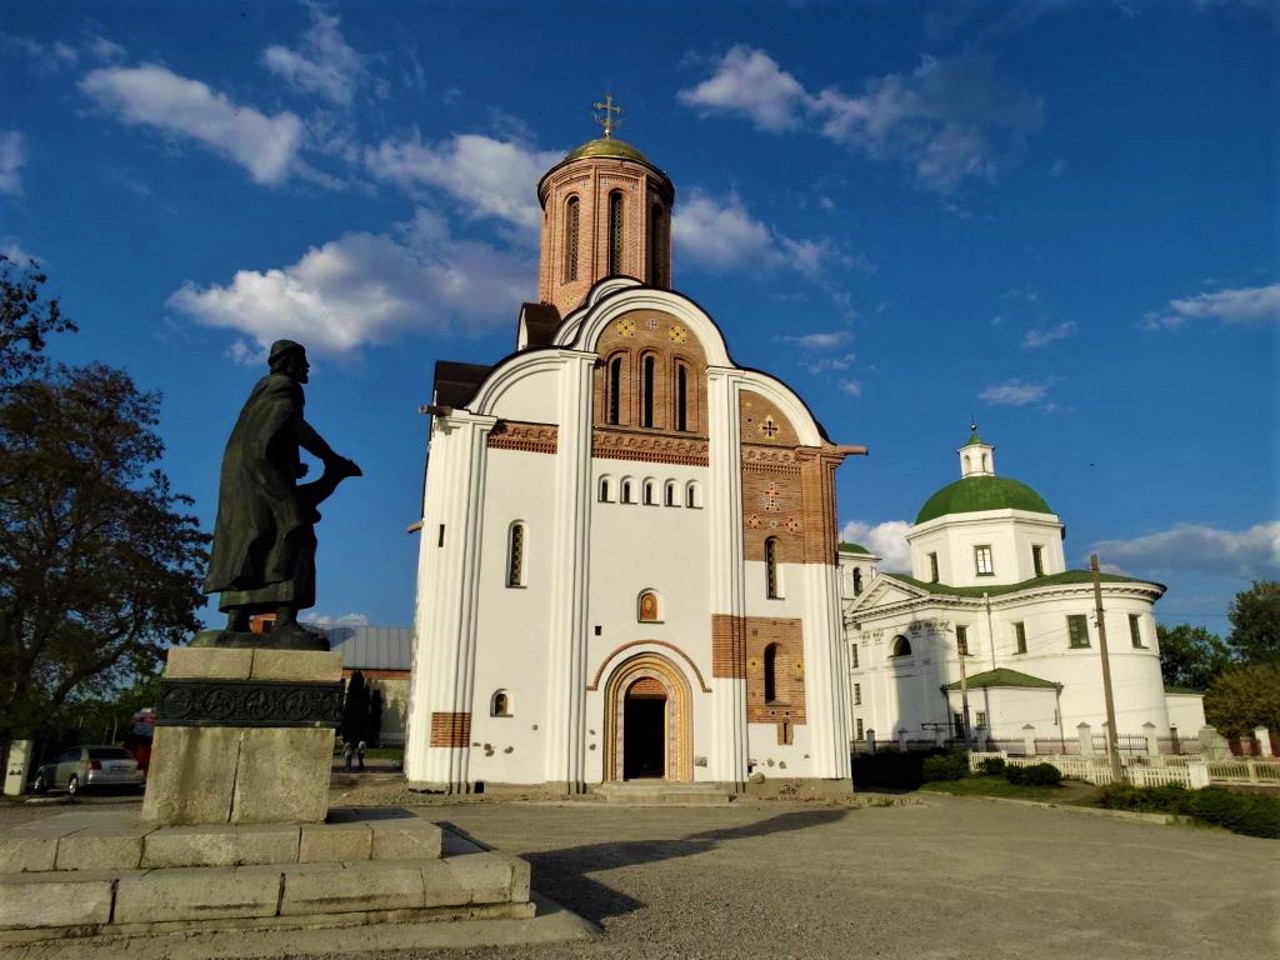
(289, 357)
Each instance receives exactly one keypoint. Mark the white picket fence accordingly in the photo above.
(1188, 772)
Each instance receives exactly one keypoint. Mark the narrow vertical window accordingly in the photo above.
(855, 656)
(859, 723)
(771, 673)
(646, 415)
(615, 233)
(933, 568)
(682, 397)
(771, 568)
(571, 212)
(606, 490)
(857, 694)
(615, 389)
(982, 561)
(624, 495)
(515, 556)
(655, 245)
(1020, 635)
(962, 640)
(1037, 559)
(1135, 630)
(650, 493)
(857, 581)
(1078, 629)
(669, 494)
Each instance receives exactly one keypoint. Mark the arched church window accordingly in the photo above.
(771, 568)
(649, 610)
(670, 497)
(606, 490)
(515, 555)
(615, 390)
(651, 493)
(966, 463)
(682, 397)
(771, 673)
(571, 214)
(626, 493)
(985, 461)
(500, 704)
(646, 385)
(615, 233)
(901, 647)
(693, 495)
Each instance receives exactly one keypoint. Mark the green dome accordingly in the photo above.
(973, 494)
(608, 147)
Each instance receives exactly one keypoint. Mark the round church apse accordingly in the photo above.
(649, 721)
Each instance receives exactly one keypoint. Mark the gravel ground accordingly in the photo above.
(939, 878)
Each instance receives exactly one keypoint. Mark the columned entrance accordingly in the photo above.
(648, 719)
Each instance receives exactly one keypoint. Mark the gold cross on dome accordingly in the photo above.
(607, 121)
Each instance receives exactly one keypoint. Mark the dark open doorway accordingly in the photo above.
(644, 748)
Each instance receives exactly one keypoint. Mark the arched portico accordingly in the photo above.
(652, 694)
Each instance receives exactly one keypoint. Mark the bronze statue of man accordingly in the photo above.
(264, 542)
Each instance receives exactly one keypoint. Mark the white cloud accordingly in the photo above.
(1036, 339)
(822, 340)
(324, 64)
(750, 83)
(13, 154)
(826, 364)
(948, 120)
(364, 288)
(1194, 548)
(488, 177)
(886, 540)
(325, 620)
(265, 146)
(1241, 306)
(852, 387)
(1014, 393)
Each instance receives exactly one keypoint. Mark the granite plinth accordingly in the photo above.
(243, 736)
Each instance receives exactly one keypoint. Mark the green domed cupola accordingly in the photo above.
(979, 488)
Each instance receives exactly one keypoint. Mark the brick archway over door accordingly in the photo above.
(655, 668)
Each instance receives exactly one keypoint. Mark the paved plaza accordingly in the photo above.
(939, 878)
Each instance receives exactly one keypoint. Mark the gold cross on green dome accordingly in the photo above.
(608, 121)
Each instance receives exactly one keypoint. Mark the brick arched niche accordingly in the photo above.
(647, 669)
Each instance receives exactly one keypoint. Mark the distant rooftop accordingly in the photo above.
(372, 648)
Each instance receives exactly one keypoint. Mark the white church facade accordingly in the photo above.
(989, 577)
(628, 562)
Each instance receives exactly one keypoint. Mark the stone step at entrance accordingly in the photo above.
(648, 792)
(107, 874)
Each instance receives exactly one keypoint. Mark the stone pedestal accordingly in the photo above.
(244, 736)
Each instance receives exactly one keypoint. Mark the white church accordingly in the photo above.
(629, 543)
(991, 618)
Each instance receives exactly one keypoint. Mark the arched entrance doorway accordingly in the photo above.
(649, 721)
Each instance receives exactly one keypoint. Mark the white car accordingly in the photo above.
(89, 766)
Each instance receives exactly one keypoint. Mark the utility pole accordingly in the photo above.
(991, 631)
(1113, 742)
(964, 690)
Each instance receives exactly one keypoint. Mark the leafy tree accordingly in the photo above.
(1255, 623)
(26, 320)
(1243, 698)
(355, 711)
(99, 563)
(374, 728)
(1191, 656)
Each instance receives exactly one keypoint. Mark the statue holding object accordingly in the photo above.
(264, 542)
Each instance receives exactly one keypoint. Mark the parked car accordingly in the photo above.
(89, 766)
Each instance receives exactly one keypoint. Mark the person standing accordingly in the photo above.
(360, 753)
(347, 752)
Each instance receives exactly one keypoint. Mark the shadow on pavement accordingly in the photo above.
(562, 875)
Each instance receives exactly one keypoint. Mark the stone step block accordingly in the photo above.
(406, 839)
(31, 900)
(211, 846)
(338, 888)
(335, 842)
(198, 893)
(102, 848)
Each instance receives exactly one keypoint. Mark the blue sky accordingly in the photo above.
(1057, 217)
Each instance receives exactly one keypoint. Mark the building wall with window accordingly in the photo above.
(628, 548)
(1032, 640)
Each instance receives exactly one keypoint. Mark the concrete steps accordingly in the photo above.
(104, 873)
(656, 792)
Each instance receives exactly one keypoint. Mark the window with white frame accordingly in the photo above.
(982, 561)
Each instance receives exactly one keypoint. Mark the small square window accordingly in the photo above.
(980, 720)
(1078, 630)
(983, 562)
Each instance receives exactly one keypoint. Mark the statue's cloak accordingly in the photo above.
(263, 542)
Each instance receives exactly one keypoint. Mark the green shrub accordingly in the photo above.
(1251, 814)
(993, 766)
(948, 766)
(1035, 775)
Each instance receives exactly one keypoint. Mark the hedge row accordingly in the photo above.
(1252, 814)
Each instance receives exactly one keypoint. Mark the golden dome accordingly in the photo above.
(607, 147)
